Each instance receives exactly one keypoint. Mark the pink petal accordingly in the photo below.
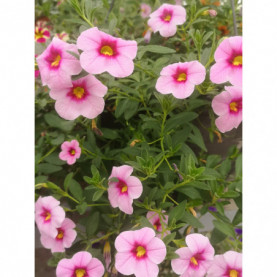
(224, 51)
(93, 84)
(64, 110)
(227, 122)
(89, 39)
(65, 268)
(144, 235)
(93, 62)
(218, 268)
(125, 263)
(124, 241)
(220, 72)
(95, 268)
(181, 264)
(156, 250)
(235, 76)
(183, 90)
(127, 48)
(221, 102)
(71, 160)
(233, 259)
(124, 171)
(47, 241)
(125, 204)
(134, 187)
(113, 195)
(152, 217)
(198, 243)
(168, 29)
(145, 268)
(164, 84)
(196, 72)
(81, 259)
(121, 67)
(57, 247)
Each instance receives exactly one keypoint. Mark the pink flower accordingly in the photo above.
(178, 2)
(127, 188)
(155, 220)
(227, 265)
(41, 34)
(64, 239)
(80, 265)
(62, 36)
(166, 18)
(180, 78)
(195, 259)
(228, 105)
(212, 13)
(84, 97)
(228, 66)
(70, 151)
(145, 10)
(147, 35)
(103, 52)
(139, 252)
(56, 65)
(49, 215)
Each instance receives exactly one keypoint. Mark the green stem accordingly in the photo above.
(104, 237)
(125, 94)
(47, 154)
(145, 71)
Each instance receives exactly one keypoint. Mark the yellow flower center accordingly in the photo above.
(233, 273)
(106, 50)
(72, 152)
(80, 272)
(79, 93)
(182, 77)
(167, 18)
(60, 234)
(234, 106)
(155, 227)
(194, 261)
(124, 188)
(237, 60)
(39, 34)
(56, 62)
(140, 251)
(47, 216)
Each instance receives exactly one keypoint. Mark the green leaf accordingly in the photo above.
(197, 138)
(154, 49)
(191, 220)
(230, 194)
(239, 166)
(97, 195)
(190, 192)
(81, 208)
(67, 180)
(225, 228)
(169, 238)
(177, 212)
(213, 160)
(56, 122)
(217, 236)
(237, 218)
(76, 189)
(92, 224)
(225, 167)
(179, 119)
(47, 168)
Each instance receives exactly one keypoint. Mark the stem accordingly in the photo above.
(145, 71)
(70, 197)
(46, 155)
(234, 18)
(125, 94)
(104, 237)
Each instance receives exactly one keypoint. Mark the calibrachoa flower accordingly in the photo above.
(145, 10)
(147, 35)
(84, 97)
(70, 151)
(62, 36)
(41, 34)
(64, 239)
(56, 65)
(166, 18)
(194, 260)
(103, 52)
(155, 220)
(228, 66)
(122, 192)
(49, 215)
(180, 78)
(80, 265)
(228, 105)
(139, 252)
(226, 265)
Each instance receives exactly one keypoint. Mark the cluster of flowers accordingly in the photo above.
(57, 232)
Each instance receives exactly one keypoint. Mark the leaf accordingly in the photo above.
(177, 212)
(237, 218)
(92, 224)
(230, 194)
(190, 192)
(56, 122)
(179, 119)
(217, 236)
(225, 167)
(225, 228)
(154, 49)
(197, 138)
(213, 160)
(169, 238)
(97, 195)
(239, 166)
(191, 220)
(76, 190)
(81, 208)
(67, 180)
(47, 168)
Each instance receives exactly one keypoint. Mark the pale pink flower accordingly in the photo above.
(122, 192)
(212, 13)
(49, 215)
(155, 220)
(180, 78)
(227, 265)
(70, 151)
(178, 2)
(84, 97)
(147, 35)
(145, 10)
(194, 260)
(41, 34)
(103, 52)
(228, 66)
(82, 264)
(139, 252)
(228, 105)
(56, 65)
(166, 18)
(62, 36)
(64, 239)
